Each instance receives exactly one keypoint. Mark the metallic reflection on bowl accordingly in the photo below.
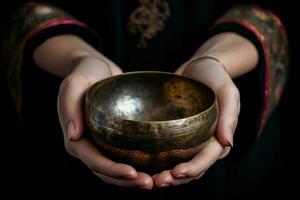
(151, 119)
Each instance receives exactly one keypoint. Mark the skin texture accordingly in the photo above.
(237, 56)
(81, 65)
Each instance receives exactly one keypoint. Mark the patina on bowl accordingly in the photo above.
(150, 119)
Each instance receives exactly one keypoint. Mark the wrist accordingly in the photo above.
(202, 61)
(207, 70)
(85, 59)
(92, 67)
(234, 51)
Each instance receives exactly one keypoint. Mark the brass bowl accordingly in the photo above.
(150, 119)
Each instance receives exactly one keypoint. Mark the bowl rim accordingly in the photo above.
(215, 103)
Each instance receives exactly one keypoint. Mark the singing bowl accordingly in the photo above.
(150, 119)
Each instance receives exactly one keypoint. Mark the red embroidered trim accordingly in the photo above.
(267, 89)
(274, 44)
(52, 23)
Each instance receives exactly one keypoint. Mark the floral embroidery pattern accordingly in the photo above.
(29, 19)
(272, 35)
(148, 19)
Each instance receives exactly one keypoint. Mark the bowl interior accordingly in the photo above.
(150, 96)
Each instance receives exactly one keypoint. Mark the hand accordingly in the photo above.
(70, 99)
(214, 75)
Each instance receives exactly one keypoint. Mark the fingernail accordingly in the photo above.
(181, 176)
(230, 137)
(70, 130)
(164, 185)
(131, 175)
(230, 142)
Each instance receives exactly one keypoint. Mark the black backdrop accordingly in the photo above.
(16, 161)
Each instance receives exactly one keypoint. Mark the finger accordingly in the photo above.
(143, 181)
(200, 175)
(228, 101)
(72, 91)
(96, 161)
(69, 105)
(201, 162)
(225, 152)
(166, 179)
(163, 179)
(94, 69)
(215, 76)
(154, 176)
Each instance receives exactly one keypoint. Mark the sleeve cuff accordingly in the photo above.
(59, 27)
(268, 34)
(31, 24)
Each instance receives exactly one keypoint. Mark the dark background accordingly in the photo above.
(16, 158)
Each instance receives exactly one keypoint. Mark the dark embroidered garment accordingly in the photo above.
(271, 35)
(173, 41)
(31, 20)
(148, 19)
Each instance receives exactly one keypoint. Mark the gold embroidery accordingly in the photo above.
(26, 21)
(270, 32)
(147, 19)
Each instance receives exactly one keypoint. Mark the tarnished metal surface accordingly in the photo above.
(151, 118)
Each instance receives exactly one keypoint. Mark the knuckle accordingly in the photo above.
(65, 83)
(228, 88)
(193, 171)
(92, 166)
(70, 150)
(104, 178)
(236, 93)
(73, 80)
(233, 90)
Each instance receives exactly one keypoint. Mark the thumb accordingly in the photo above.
(215, 76)
(72, 93)
(229, 105)
(69, 105)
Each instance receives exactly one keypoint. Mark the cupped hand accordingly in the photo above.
(70, 103)
(214, 75)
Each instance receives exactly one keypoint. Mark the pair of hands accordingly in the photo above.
(92, 69)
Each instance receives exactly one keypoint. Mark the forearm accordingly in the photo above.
(235, 52)
(58, 55)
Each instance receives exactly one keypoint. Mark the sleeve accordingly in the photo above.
(30, 25)
(266, 31)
